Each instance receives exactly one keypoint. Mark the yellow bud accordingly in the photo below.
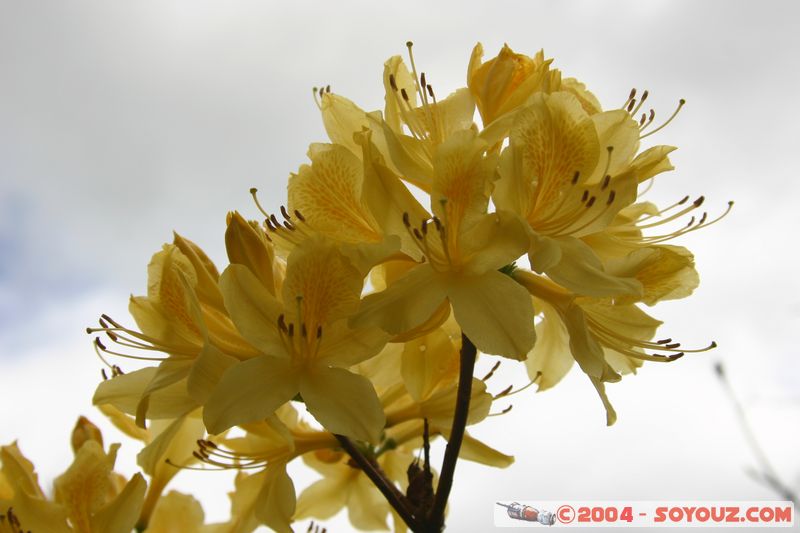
(506, 81)
(247, 245)
(84, 431)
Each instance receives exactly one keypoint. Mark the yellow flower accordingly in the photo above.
(463, 246)
(569, 174)
(89, 497)
(182, 316)
(305, 343)
(605, 336)
(414, 123)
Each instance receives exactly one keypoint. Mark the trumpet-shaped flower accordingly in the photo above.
(305, 343)
(463, 248)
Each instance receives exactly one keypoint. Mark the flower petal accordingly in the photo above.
(276, 500)
(580, 271)
(404, 305)
(343, 402)
(252, 308)
(322, 499)
(474, 450)
(249, 391)
(343, 346)
(550, 359)
(495, 312)
(206, 372)
(328, 194)
(120, 515)
(496, 240)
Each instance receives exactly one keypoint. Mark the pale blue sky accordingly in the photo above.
(120, 122)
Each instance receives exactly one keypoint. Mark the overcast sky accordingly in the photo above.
(121, 122)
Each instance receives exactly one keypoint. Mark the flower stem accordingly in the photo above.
(396, 499)
(435, 521)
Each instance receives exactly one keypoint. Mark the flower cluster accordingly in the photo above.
(400, 248)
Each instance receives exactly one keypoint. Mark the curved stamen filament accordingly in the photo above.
(674, 114)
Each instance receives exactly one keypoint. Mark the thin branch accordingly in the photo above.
(435, 522)
(766, 473)
(392, 494)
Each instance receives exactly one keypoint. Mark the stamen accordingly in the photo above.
(641, 101)
(681, 103)
(504, 411)
(631, 96)
(491, 372)
(503, 392)
(254, 194)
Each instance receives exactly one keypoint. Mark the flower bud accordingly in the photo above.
(84, 431)
(506, 81)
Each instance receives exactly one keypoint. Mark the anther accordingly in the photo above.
(299, 216)
(274, 220)
(319, 332)
(576, 177)
(438, 224)
(585, 196)
(103, 373)
(631, 105)
(703, 218)
(424, 227)
(328, 89)
(632, 95)
(392, 82)
(285, 213)
(99, 344)
(611, 196)
(664, 341)
(606, 181)
(406, 222)
(590, 203)
(422, 79)
(699, 201)
(404, 94)
(429, 88)
(684, 200)
(504, 391)
(290, 331)
(303, 330)
(672, 346)
(491, 372)
(417, 234)
(282, 323)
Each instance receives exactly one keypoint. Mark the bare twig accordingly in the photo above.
(766, 473)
